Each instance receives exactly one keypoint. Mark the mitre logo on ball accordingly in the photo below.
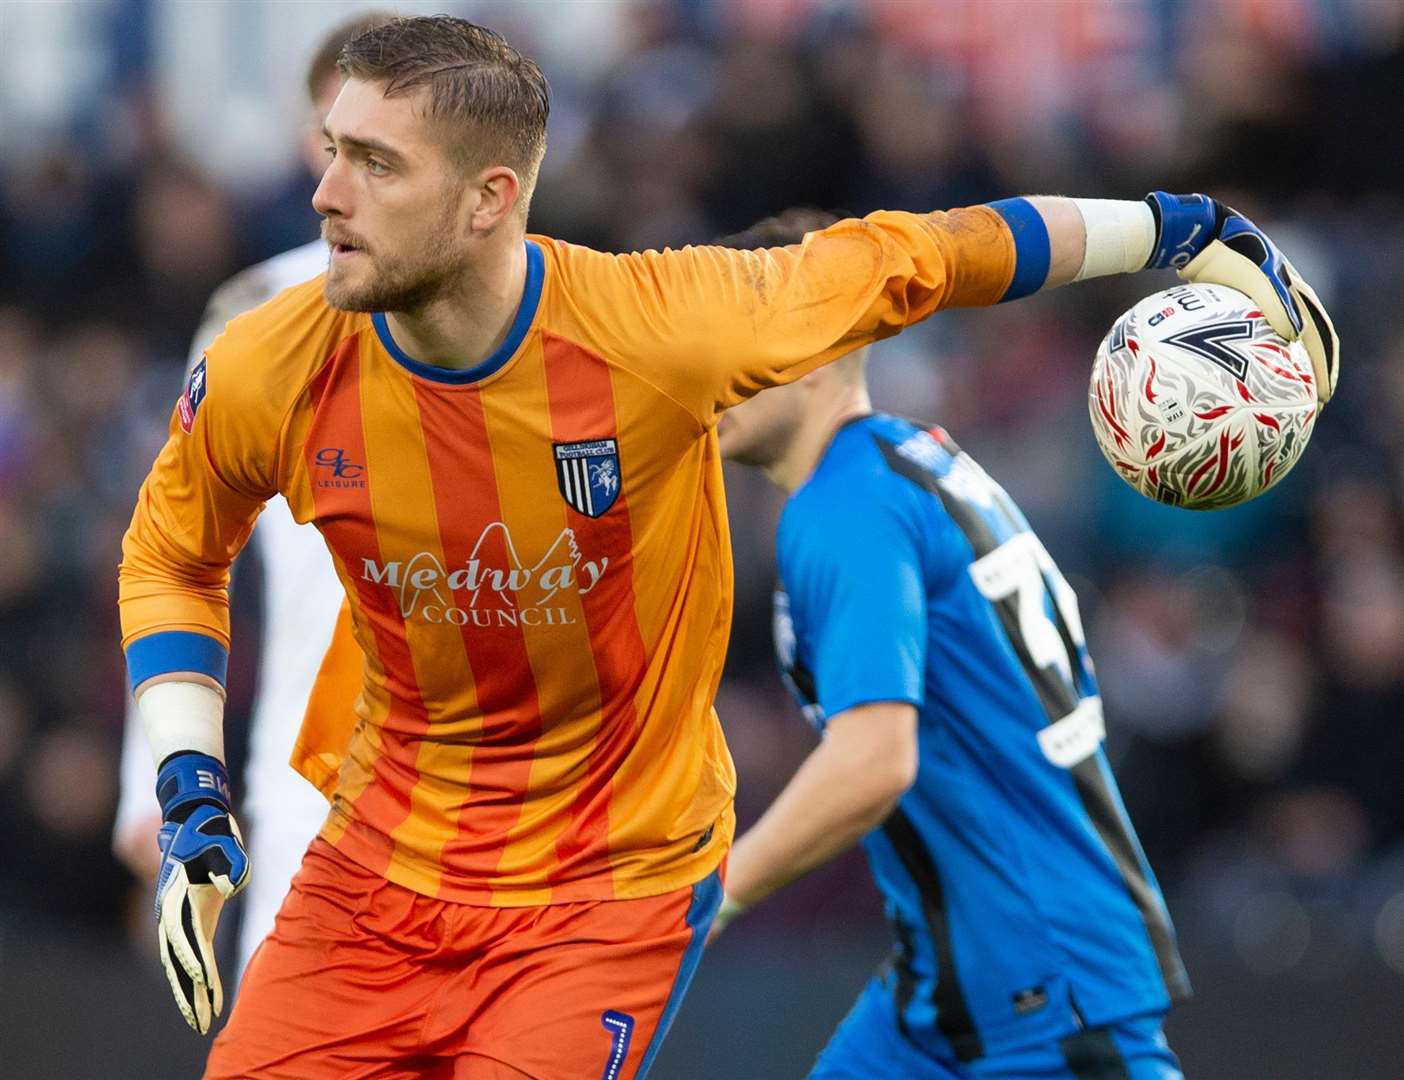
(1197, 402)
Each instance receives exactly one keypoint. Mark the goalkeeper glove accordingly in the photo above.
(203, 864)
(1204, 240)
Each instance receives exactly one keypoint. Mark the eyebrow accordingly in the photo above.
(372, 146)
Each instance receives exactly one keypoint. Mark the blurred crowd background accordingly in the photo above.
(1252, 660)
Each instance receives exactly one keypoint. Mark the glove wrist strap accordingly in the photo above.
(1184, 225)
(189, 778)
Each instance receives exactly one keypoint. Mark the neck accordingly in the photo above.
(801, 455)
(464, 327)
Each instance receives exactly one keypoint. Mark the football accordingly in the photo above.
(1197, 402)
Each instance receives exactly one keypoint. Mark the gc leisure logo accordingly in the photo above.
(335, 470)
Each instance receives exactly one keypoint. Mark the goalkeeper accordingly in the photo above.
(930, 638)
(526, 746)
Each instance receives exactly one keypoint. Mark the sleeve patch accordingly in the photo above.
(189, 403)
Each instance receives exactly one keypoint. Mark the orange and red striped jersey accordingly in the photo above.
(534, 550)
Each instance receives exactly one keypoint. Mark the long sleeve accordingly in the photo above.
(193, 515)
(711, 326)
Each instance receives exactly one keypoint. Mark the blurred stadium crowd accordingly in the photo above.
(1252, 660)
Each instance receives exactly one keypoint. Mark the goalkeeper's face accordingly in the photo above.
(395, 212)
(760, 430)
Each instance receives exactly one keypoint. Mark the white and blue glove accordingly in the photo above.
(203, 864)
(1204, 240)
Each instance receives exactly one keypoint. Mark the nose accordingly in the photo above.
(331, 196)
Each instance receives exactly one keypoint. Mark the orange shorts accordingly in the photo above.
(364, 978)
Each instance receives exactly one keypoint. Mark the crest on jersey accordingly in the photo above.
(189, 403)
(588, 474)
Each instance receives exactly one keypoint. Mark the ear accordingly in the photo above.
(498, 189)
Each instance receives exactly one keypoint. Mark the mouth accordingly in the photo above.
(342, 247)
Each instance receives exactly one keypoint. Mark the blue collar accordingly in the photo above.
(526, 311)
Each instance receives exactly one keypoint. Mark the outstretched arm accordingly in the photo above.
(711, 326)
(1060, 240)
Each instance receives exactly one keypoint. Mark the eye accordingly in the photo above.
(376, 168)
(330, 150)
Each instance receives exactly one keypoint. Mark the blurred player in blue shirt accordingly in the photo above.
(933, 643)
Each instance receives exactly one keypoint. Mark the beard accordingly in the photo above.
(427, 271)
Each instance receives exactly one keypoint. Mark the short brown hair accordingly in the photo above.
(323, 64)
(785, 228)
(493, 98)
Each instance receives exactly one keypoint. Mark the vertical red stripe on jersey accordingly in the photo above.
(582, 407)
(346, 517)
(464, 477)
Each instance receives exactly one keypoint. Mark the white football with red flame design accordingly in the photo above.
(1197, 402)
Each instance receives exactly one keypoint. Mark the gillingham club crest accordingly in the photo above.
(588, 474)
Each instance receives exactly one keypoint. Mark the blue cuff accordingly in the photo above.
(175, 650)
(1031, 247)
(191, 777)
(1184, 225)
